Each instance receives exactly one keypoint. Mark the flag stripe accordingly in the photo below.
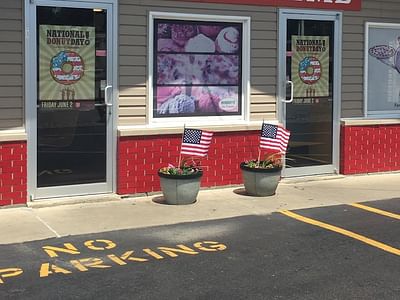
(189, 146)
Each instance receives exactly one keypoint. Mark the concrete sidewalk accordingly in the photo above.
(84, 215)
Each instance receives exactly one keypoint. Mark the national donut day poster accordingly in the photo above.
(66, 63)
(310, 66)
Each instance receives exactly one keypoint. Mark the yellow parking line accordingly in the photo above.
(376, 211)
(345, 232)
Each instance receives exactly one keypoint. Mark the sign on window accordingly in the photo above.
(383, 71)
(66, 65)
(310, 66)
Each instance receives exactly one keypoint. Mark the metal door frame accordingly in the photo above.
(31, 99)
(336, 17)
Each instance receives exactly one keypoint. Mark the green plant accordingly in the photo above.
(187, 167)
(270, 161)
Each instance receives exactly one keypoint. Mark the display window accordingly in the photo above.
(382, 67)
(197, 68)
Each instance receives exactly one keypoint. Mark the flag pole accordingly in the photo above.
(259, 147)
(180, 151)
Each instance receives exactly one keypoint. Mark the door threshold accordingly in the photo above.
(72, 200)
(306, 178)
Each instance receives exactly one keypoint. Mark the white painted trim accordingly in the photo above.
(308, 171)
(365, 88)
(337, 101)
(62, 2)
(11, 135)
(30, 95)
(179, 121)
(309, 14)
(64, 191)
(366, 122)
(115, 91)
(372, 113)
(145, 130)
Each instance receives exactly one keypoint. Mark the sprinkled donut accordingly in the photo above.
(67, 67)
(310, 70)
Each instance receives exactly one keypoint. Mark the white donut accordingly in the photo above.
(227, 40)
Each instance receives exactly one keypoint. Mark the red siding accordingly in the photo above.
(366, 149)
(139, 159)
(13, 187)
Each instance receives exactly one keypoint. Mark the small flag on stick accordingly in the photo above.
(274, 137)
(196, 142)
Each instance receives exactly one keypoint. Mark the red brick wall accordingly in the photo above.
(366, 149)
(13, 187)
(139, 159)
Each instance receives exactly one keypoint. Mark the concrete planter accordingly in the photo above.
(180, 189)
(260, 182)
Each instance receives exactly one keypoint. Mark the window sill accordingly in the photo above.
(124, 131)
(366, 122)
(13, 135)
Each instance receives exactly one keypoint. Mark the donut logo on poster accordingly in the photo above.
(310, 70)
(67, 67)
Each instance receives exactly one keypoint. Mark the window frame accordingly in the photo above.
(245, 72)
(384, 114)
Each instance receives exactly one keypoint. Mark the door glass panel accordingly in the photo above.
(71, 115)
(310, 65)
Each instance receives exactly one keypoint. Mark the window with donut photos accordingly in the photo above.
(197, 68)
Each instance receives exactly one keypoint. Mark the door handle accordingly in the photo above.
(291, 92)
(106, 101)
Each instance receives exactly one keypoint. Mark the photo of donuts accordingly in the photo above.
(197, 69)
(198, 37)
(197, 99)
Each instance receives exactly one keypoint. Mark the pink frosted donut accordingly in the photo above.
(167, 92)
(180, 33)
(210, 31)
(227, 40)
(167, 45)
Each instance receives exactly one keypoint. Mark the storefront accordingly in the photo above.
(95, 94)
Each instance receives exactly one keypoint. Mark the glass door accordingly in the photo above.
(73, 99)
(308, 94)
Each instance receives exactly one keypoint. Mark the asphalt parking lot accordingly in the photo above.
(335, 252)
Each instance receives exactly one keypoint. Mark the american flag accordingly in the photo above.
(196, 142)
(274, 137)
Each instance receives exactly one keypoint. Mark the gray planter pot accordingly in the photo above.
(180, 189)
(260, 182)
